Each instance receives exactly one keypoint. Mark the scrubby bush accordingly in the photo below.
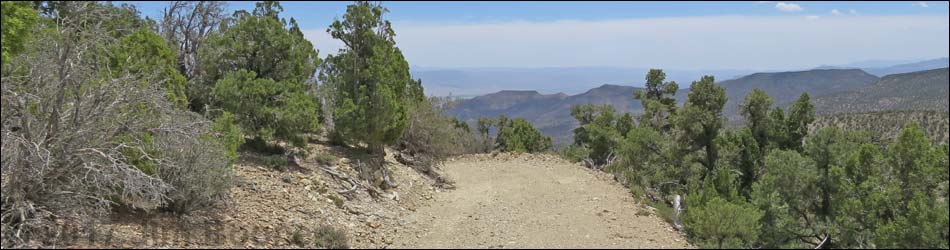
(722, 224)
(330, 238)
(518, 135)
(278, 162)
(75, 145)
(575, 153)
(430, 136)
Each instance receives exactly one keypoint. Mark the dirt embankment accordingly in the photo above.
(503, 201)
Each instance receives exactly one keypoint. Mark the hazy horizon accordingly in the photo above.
(761, 36)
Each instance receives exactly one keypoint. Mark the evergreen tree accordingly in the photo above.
(369, 77)
(259, 70)
(756, 109)
(787, 195)
(657, 100)
(698, 122)
(800, 115)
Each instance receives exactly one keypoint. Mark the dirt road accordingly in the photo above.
(532, 202)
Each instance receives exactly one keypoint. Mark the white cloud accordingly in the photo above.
(788, 7)
(322, 41)
(853, 12)
(764, 1)
(812, 17)
(835, 12)
(922, 4)
(709, 42)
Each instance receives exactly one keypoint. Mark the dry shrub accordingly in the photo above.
(431, 137)
(77, 136)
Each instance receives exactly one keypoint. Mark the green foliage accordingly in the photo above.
(145, 53)
(800, 115)
(788, 196)
(657, 100)
(601, 130)
(779, 132)
(738, 150)
(755, 109)
(261, 43)
(225, 127)
(917, 164)
(698, 122)
(722, 224)
(518, 135)
(781, 182)
(866, 197)
(278, 162)
(575, 153)
(266, 109)
(16, 24)
(924, 226)
(369, 77)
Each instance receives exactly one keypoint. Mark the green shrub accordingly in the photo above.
(575, 153)
(278, 162)
(722, 224)
(267, 109)
(518, 135)
(226, 129)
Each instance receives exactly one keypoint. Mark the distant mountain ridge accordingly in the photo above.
(923, 90)
(786, 87)
(883, 68)
(551, 113)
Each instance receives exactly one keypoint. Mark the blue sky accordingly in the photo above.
(683, 35)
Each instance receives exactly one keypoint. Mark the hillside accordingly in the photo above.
(910, 67)
(471, 82)
(551, 113)
(925, 90)
(785, 87)
(887, 125)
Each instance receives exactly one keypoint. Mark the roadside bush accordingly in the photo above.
(575, 153)
(430, 136)
(601, 131)
(518, 135)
